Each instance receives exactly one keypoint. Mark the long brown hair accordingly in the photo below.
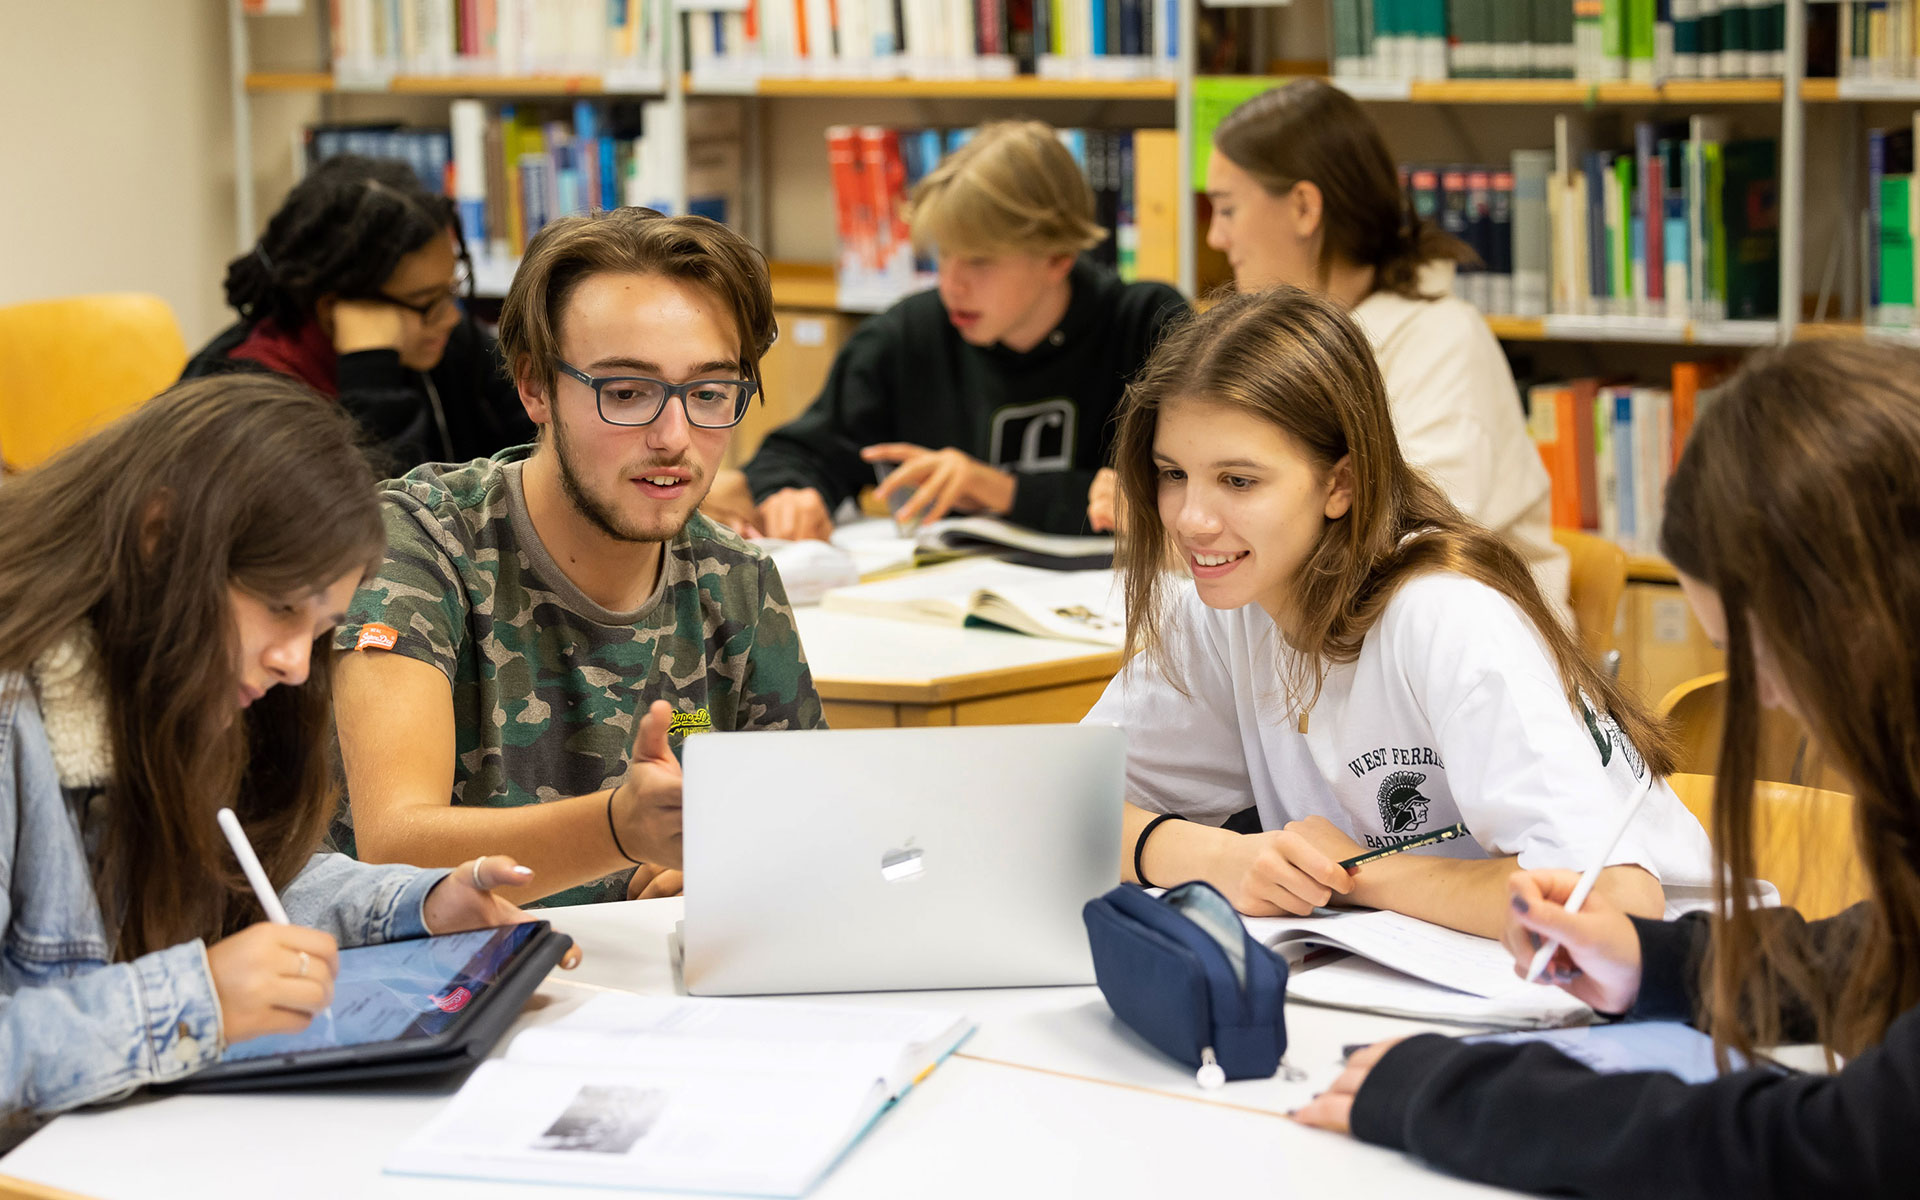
(1798, 502)
(248, 480)
(1294, 359)
(1309, 131)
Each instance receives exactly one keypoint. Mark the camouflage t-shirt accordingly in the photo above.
(546, 682)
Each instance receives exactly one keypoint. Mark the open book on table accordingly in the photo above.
(1402, 966)
(991, 535)
(878, 548)
(746, 1097)
(1083, 606)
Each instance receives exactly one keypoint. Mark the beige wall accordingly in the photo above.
(117, 171)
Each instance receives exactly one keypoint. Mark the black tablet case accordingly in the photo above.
(499, 1005)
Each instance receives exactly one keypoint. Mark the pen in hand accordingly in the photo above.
(1548, 948)
(250, 864)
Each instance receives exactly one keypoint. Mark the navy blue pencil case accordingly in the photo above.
(1182, 971)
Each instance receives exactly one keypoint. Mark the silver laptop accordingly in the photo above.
(883, 859)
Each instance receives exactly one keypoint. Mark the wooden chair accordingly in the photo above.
(1802, 839)
(70, 366)
(1785, 753)
(1599, 578)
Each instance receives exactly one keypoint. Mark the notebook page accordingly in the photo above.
(747, 1035)
(1366, 986)
(659, 1128)
(1461, 961)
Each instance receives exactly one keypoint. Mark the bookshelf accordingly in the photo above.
(947, 101)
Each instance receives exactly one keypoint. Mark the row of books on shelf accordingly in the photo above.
(1609, 448)
(621, 40)
(969, 39)
(1599, 40)
(514, 167)
(1893, 216)
(1132, 172)
(729, 42)
(1876, 39)
(1679, 220)
(1680, 223)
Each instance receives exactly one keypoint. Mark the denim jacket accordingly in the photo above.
(77, 1027)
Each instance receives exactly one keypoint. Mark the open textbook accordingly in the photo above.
(1082, 606)
(877, 546)
(991, 535)
(1402, 966)
(745, 1097)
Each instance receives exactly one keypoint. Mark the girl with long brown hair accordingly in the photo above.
(163, 586)
(1305, 193)
(1352, 656)
(1791, 520)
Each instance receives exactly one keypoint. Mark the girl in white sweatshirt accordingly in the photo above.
(1351, 657)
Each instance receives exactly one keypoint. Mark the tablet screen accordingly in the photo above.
(399, 991)
(1666, 1046)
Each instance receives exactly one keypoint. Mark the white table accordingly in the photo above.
(1051, 1097)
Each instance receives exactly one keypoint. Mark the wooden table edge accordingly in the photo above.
(998, 681)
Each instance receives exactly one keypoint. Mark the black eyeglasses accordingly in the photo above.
(462, 285)
(638, 400)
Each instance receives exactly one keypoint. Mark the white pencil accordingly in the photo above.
(250, 863)
(1544, 954)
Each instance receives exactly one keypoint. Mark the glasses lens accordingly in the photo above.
(630, 401)
(715, 403)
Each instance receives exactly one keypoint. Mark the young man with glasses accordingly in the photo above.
(545, 611)
(355, 289)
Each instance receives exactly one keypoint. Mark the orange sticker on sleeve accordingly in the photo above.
(377, 637)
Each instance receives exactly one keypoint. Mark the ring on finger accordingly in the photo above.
(304, 961)
(477, 885)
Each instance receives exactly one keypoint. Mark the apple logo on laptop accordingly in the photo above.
(899, 866)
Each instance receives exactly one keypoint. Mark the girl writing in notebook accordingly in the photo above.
(1791, 521)
(355, 290)
(1351, 655)
(163, 586)
(1304, 193)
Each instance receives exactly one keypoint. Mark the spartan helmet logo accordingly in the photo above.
(1402, 807)
(1608, 736)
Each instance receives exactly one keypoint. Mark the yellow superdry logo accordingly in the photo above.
(697, 721)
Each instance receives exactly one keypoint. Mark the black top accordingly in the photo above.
(1045, 415)
(1529, 1117)
(394, 405)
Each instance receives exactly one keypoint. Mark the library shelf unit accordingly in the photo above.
(809, 285)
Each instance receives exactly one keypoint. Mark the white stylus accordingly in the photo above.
(1544, 954)
(250, 863)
